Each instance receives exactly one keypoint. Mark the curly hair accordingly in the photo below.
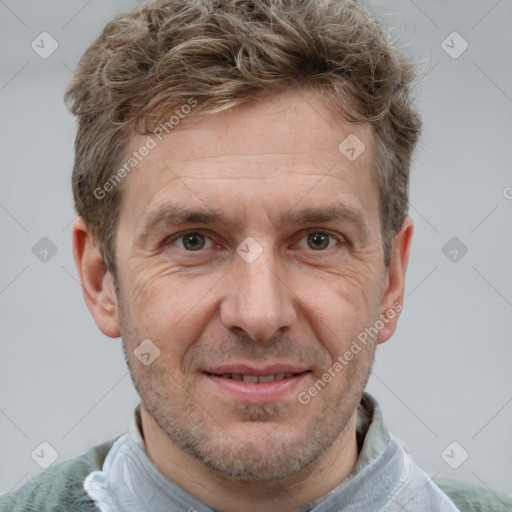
(222, 53)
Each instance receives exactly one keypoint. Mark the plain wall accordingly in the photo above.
(445, 375)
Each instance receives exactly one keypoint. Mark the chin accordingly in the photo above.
(253, 461)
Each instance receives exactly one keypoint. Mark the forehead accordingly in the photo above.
(281, 148)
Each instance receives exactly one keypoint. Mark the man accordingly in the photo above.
(241, 181)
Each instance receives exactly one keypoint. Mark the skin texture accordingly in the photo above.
(255, 166)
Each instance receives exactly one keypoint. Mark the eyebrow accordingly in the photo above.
(176, 215)
(335, 212)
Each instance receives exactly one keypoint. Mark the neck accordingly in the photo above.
(294, 492)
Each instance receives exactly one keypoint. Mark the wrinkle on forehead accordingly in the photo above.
(267, 166)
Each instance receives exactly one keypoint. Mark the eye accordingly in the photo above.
(318, 241)
(192, 241)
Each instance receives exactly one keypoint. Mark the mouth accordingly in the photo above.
(251, 385)
(255, 379)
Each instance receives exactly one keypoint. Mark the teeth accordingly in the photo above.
(255, 378)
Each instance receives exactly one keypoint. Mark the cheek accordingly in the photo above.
(361, 287)
(168, 308)
(338, 307)
(156, 293)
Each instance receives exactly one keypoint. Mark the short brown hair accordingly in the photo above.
(223, 53)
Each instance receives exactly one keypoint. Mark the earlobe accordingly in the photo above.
(97, 283)
(393, 292)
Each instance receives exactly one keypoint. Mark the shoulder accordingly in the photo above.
(472, 498)
(58, 488)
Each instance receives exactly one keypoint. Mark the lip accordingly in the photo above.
(257, 393)
(245, 369)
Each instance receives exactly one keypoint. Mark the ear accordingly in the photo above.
(97, 283)
(394, 285)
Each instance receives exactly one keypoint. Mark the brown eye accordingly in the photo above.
(318, 241)
(192, 241)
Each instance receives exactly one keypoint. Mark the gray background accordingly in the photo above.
(445, 375)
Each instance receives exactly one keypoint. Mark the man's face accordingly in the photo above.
(249, 246)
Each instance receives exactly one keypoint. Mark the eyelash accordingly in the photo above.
(168, 241)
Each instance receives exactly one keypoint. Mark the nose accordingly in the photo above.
(258, 300)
